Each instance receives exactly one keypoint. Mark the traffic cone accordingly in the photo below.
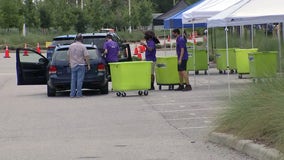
(38, 48)
(26, 51)
(7, 53)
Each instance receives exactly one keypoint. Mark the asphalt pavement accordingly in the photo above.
(165, 125)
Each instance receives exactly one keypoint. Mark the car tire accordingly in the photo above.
(104, 89)
(51, 92)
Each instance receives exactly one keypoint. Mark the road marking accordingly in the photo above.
(185, 103)
(7, 74)
(200, 127)
(189, 110)
(192, 118)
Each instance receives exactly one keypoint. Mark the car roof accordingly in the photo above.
(67, 46)
(73, 36)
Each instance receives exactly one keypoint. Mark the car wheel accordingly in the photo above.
(104, 89)
(51, 92)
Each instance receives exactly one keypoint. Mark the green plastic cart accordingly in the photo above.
(166, 72)
(242, 60)
(263, 64)
(127, 76)
(221, 60)
(197, 61)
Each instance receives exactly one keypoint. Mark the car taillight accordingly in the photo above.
(101, 67)
(50, 47)
(52, 70)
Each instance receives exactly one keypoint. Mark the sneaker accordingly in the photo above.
(180, 88)
(187, 88)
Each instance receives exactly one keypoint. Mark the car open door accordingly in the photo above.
(125, 53)
(31, 67)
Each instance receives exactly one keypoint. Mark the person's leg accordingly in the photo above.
(73, 82)
(152, 75)
(80, 80)
(181, 81)
(186, 79)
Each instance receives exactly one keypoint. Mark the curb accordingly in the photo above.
(257, 151)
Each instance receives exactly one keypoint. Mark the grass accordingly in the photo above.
(257, 113)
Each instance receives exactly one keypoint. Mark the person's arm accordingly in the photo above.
(181, 55)
(87, 58)
(149, 48)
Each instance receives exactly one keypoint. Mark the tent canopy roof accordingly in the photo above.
(206, 9)
(177, 8)
(250, 12)
(175, 21)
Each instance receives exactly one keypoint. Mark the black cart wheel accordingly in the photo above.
(146, 93)
(160, 87)
(140, 93)
(240, 76)
(123, 94)
(118, 94)
(196, 72)
(205, 72)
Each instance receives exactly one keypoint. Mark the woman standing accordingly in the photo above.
(150, 53)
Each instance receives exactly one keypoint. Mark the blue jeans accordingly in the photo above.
(77, 78)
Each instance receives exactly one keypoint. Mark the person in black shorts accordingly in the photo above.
(182, 55)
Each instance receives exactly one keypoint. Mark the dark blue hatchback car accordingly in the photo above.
(35, 69)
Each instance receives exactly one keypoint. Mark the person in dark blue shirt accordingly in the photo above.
(111, 51)
(150, 53)
(182, 56)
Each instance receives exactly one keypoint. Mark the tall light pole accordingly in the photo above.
(129, 11)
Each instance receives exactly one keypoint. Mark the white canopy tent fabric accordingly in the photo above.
(249, 12)
(206, 9)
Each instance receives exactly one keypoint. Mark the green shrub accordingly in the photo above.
(256, 113)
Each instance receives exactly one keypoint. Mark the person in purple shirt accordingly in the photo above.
(150, 53)
(182, 56)
(111, 51)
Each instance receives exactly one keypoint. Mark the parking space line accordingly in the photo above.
(192, 118)
(7, 74)
(185, 103)
(200, 127)
(189, 110)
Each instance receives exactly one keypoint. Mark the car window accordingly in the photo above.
(62, 41)
(98, 41)
(29, 57)
(61, 54)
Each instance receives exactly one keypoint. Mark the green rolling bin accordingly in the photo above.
(127, 76)
(263, 64)
(201, 61)
(221, 60)
(242, 60)
(166, 71)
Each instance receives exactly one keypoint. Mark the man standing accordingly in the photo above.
(78, 57)
(182, 56)
(111, 50)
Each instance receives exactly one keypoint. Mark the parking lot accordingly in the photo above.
(165, 125)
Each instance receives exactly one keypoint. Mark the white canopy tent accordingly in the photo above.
(250, 12)
(206, 9)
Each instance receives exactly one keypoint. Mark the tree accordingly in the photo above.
(10, 13)
(29, 13)
(145, 12)
(81, 21)
(45, 18)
